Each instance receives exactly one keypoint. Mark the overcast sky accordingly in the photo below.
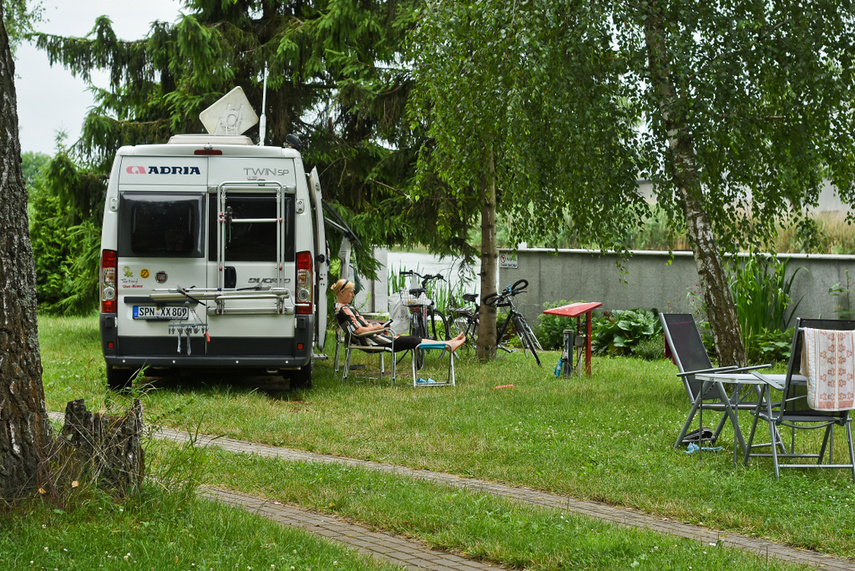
(49, 98)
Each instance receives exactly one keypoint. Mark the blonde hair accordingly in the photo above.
(341, 285)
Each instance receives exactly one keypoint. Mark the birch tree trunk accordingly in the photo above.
(486, 349)
(720, 308)
(25, 434)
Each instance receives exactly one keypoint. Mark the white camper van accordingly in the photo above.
(213, 255)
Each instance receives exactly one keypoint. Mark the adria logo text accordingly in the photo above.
(163, 170)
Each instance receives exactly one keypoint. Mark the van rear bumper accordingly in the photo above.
(198, 351)
(193, 362)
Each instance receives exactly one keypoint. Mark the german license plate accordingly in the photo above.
(161, 312)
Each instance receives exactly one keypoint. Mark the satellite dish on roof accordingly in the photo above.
(230, 115)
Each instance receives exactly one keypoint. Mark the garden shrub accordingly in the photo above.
(770, 346)
(761, 291)
(551, 327)
(650, 348)
(621, 331)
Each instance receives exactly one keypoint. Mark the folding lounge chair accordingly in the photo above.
(354, 341)
(687, 349)
(801, 406)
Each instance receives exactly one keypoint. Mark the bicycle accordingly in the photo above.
(465, 320)
(423, 313)
(507, 298)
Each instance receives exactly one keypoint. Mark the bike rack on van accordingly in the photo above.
(279, 295)
(226, 217)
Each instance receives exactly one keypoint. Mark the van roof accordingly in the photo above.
(206, 139)
(229, 145)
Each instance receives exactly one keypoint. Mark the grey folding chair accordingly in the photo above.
(352, 341)
(794, 411)
(683, 341)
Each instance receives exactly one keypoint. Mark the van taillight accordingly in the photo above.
(109, 265)
(305, 283)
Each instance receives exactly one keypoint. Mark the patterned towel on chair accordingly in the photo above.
(828, 361)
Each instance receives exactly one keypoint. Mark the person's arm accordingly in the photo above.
(368, 327)
(359, 324)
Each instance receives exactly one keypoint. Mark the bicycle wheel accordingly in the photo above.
(523, 332)
(418, 329)
(468, 327)
(417, 325)
(531, 335)
(472, 330)
(439, 330)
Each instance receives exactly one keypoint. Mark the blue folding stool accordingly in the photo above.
(434, 346)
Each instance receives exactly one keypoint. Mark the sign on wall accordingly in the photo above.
(508, 260)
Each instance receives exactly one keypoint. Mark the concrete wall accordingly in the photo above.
(652, 280)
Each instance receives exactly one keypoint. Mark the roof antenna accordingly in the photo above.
(262, 122)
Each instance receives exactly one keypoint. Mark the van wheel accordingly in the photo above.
(302, 377)
(119, 379)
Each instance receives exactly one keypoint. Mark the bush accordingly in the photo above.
(770, 346)
(621, 332)
(551, 327)
(650, 348)
(65, 231)
(761, 291)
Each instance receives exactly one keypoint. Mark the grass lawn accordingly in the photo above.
(608, 437)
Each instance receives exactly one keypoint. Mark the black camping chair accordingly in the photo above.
(683, 341)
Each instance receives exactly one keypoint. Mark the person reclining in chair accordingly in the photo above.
(346, 313)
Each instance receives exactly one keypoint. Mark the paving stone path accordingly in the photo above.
(416, 555)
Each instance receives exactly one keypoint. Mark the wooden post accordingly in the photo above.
(109, 447)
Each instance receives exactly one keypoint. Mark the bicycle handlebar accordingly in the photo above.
(425, 277)
(501, 299)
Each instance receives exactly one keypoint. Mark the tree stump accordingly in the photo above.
(108, 448)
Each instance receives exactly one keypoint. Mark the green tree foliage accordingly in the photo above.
(32, 165)
(20, 17)
(737, 111)
(336, 79)
(502, 87)
(66, 204)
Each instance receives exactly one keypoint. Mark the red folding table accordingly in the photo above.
(577, 310)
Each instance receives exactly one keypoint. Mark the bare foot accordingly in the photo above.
(456, 342)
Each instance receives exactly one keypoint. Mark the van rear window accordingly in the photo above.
(249, 227)
(159, 225)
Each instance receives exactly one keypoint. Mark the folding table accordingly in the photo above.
(718, 380)
(577, 310)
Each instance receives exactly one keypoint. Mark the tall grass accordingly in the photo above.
(761, 291)
(836, 236)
